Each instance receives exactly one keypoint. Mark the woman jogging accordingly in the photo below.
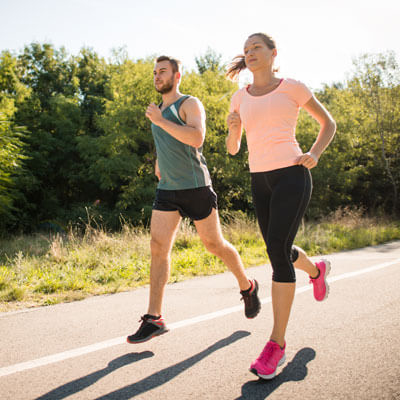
(281, 182)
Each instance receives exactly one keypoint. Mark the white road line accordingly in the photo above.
(12, 369)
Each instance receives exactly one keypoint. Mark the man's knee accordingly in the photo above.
(158, 248)
(214, 246)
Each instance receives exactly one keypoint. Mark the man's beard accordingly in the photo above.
(167, 87)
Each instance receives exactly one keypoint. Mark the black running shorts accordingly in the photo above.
(195, 204)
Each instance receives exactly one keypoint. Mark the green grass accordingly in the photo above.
(44, 270)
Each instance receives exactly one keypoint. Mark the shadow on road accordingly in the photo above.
(167, 374)
(82, 383)
(295, 371)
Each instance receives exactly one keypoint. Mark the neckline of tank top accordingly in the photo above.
(160, 105)
(266, 94)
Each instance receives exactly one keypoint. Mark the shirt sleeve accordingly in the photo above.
(301, 93)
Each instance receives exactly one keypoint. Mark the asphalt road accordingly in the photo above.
(347, 347)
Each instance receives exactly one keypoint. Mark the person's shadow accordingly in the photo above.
(296, 370)
(82, 383)
(165, 375)
(144, 385)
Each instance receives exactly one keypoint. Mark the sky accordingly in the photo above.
(316, 39)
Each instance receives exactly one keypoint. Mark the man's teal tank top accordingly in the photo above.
(181, 166)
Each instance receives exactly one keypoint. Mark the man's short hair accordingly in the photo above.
(176, 64)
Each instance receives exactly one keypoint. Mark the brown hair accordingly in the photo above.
(176, 64)
(238, 63)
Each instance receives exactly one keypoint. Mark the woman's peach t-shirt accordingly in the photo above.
(270, 124)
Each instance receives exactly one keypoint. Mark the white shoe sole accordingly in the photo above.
(327, 271)
(270, 376)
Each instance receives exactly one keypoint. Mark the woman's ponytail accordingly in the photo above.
(238, 64)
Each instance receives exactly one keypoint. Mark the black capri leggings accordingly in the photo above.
(281, 198)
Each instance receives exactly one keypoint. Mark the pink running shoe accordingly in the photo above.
(268, 361)
(321, 287)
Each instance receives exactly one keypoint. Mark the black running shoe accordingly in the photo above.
(149, 328)
(252, 303)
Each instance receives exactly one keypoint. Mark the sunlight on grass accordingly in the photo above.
(44, 270)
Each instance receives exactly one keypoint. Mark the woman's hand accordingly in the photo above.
(325, 135)
(308, 160)
(235, 133)
(233, 121)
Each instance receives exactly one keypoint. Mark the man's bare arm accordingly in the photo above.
(193, 114)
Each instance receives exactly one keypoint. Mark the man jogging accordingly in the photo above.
(184, 190)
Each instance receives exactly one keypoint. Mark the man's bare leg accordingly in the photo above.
(163, 229)
(209, 230)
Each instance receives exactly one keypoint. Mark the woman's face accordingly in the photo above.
(257, 54)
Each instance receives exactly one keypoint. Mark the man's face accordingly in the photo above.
(164, 77)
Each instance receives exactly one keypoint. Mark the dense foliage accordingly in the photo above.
(74, 139)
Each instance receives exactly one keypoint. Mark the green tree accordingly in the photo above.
(341, 165)
(93, 73)
(11, 157)
(210, 61)
(376, 83)
(51, 114)
(122, 159)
